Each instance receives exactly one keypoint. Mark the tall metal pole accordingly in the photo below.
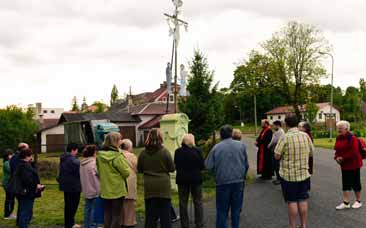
(331, 101)
(331, 97)
(175, 79)
(255, 114)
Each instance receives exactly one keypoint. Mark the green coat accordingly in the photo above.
(156, 166)
(113, 171)
(6, 174)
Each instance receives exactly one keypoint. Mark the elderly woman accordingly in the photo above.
(189, 163)
(155, 163)
(129, 203)
(113, 173)
(348, 157)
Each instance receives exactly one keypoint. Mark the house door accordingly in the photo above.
(129, 132)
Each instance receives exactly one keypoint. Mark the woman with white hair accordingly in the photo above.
(189, 163)
(129, 202)
(347, 155)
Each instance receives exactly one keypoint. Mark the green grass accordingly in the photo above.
(324, 143)
(48, 210)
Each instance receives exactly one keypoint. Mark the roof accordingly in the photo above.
(157, 108)
(153, 123)
(290, 109)
(45, 124)
(118, 117)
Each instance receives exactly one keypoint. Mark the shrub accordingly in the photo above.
(47, 169)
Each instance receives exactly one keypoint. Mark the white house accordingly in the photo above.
(46, 113)
(280, 113)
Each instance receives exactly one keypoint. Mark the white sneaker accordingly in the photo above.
(343, 206)
(356, 205)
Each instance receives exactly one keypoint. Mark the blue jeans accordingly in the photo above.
(25, 212)
(89, 212)
(229, 197)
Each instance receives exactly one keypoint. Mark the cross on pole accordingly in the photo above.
(174, 23)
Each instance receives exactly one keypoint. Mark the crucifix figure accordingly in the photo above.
(174, 23)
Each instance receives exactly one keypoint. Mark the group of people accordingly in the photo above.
(108, 177)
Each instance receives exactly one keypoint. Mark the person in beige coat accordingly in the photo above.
(129, 204)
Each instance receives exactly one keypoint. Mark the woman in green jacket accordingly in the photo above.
(156, 162)
(113, 172)
(9, 197)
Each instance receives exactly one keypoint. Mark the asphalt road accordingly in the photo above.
(264, 206)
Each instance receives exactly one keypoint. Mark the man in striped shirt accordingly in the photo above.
(294, 150)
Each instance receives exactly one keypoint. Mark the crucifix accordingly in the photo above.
(175, 23)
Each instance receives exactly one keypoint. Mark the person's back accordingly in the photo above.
(189, 163)
(228, 161)
(156, 166)
(89, 178)
(69, 176)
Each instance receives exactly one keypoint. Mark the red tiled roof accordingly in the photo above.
(290, 109)
(47, 123)
(153, 123)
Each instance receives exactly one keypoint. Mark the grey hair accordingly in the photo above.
(126, 144)
(344, 124)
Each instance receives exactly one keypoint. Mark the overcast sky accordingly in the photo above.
(52, 50)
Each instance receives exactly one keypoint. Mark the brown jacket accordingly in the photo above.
(132, 178)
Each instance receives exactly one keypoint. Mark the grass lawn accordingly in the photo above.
(48, 210)
(324, 143)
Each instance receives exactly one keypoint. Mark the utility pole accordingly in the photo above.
(174, 23)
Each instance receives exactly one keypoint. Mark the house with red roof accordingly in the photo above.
(279, 113)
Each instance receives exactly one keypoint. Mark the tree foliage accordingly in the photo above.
(204, 106)
(295, 51)
(114, 95)
(74, 105)
(16, 126)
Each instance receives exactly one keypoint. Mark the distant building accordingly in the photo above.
(46, 113)
(323, 113)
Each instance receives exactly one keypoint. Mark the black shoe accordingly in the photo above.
(276, 182)
(176, 219)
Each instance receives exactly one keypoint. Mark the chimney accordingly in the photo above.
(38, 108)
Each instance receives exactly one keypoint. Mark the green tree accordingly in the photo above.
(114, 95)
(351, 105)
(16, 126)
(74, 105)
(363, 89)
(204, 105)
(100, 106)
(296, 52)
(311, 111)
(84, 105)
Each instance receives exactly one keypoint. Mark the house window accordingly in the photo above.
(164, 99)
(44, 111)
(320, 115)
(279, 117)
(53, 111)
(171, 98)
(271, 117)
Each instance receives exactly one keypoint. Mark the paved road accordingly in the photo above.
(264, 206)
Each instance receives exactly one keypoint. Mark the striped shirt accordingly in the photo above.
(295, 148)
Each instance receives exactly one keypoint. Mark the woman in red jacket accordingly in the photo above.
(348, 157)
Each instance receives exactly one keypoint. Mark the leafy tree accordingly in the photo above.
(311, 111)
(16, 126)
(296, 52)
(75, 106)
(84, 105)
(114, 95)
(100, 107)
(352, 104)
(204, 105)
(363, 89)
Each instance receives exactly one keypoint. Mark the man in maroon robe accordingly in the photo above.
(264, 155)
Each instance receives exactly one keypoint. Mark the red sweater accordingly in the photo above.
(347, 147)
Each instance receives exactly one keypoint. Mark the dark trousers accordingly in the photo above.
(25, 212)
(9, 203)
(196, 192)
(155, 209)
(72, 200)
(113, 212)
(229, 197)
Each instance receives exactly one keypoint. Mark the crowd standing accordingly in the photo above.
(107, 178)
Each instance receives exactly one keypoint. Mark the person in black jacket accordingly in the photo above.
(27, 187)
(69, 180)
(189, 163)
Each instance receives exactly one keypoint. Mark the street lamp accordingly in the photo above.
(331, 95)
